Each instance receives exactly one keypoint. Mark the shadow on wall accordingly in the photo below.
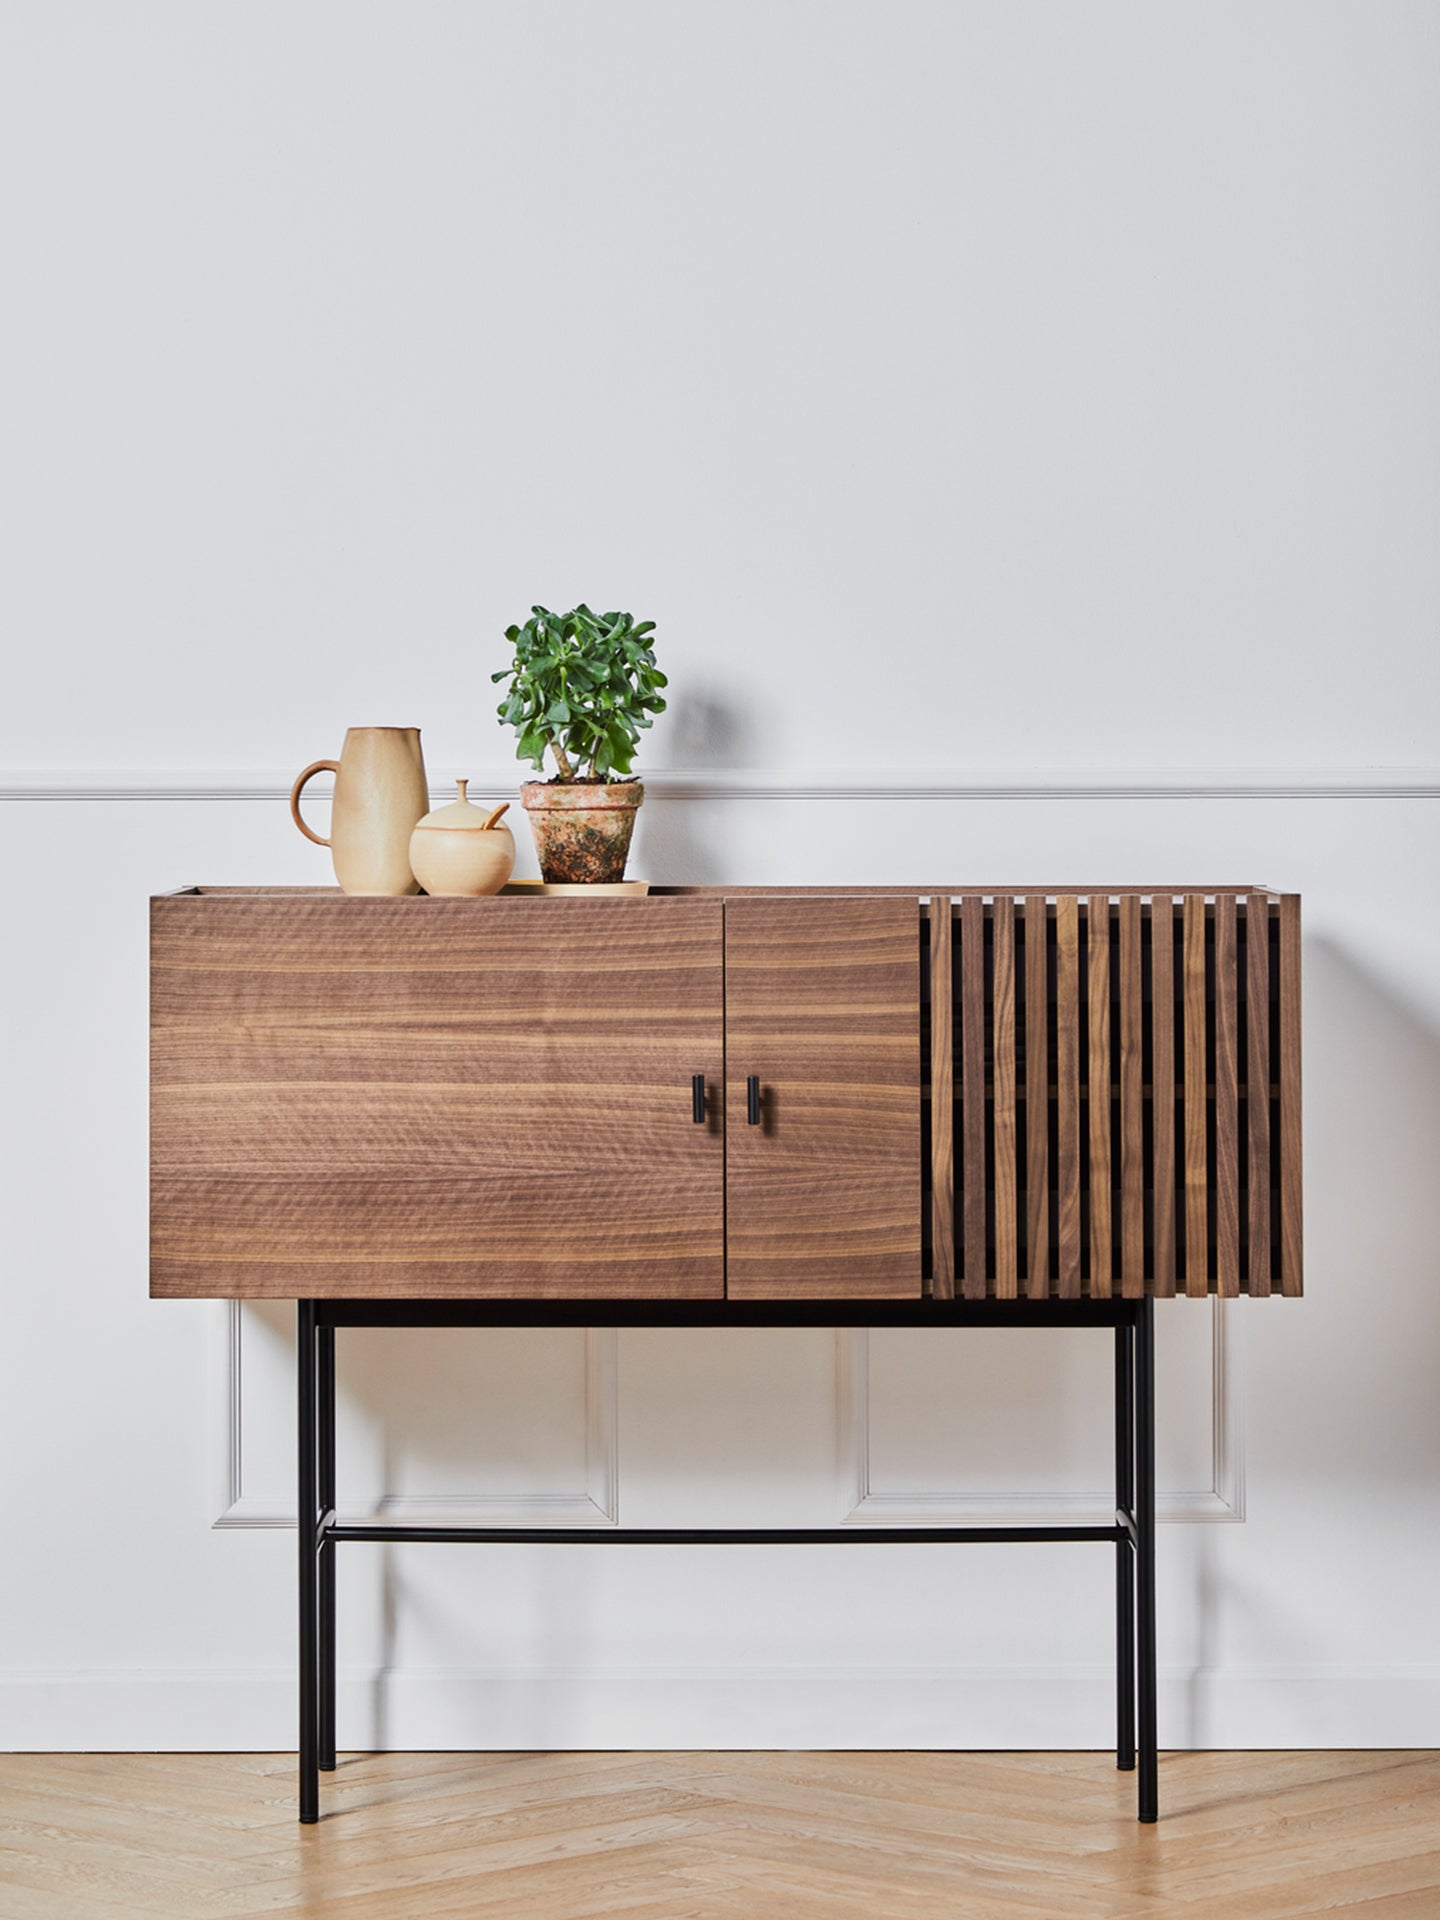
(674, 845)
(1372, 1151)
(673, 849)
(706, 730)
(454, 1617)
(1341, 1384)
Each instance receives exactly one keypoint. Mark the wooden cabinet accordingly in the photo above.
(442, 1097)
(992, 1095)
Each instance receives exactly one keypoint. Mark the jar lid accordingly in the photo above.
(464, 813)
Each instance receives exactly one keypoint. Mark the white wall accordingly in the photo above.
(1015, 409)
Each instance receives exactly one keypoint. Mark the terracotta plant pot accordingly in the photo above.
(582, 832)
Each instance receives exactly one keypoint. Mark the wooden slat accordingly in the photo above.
(1007, 1251)
(1162, 1092)
(1197, 1175)
(822, 1004)
(1257, 1086)
(1227, 1101)
(1098, 1091)
(1067, 1089)
(942, 1104)
(1291, 1234)
(1132, 1103)
(972, 1092)
(1037, 1100)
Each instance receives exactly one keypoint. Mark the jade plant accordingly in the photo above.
(582, 684)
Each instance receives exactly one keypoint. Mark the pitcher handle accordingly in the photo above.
(318, 766)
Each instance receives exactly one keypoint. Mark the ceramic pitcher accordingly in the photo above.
(380, 792)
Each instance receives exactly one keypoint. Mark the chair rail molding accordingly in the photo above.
(759, 783)
(596, 1504)
(1223, 1501)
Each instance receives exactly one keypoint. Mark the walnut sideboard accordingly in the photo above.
(727, 1105)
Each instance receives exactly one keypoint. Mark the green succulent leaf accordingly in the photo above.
(581, 686)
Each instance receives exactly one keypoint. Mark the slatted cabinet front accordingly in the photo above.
(1115, 1094)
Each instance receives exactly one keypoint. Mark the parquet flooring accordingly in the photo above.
(720, 1836)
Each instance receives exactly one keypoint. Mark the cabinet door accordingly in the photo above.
(822, 1006)
(436, 1097)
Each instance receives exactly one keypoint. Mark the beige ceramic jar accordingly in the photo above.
(460, 850)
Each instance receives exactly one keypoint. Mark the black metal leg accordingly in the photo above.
(1145, 1554)
(307, 1513)
(325, 1349)
(1132, 1533)
(1124, 1549)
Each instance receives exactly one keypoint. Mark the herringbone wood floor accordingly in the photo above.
(668, 1836)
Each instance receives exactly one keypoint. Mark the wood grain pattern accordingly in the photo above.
(1097, 1091)
(421, 1097)
(1162, 1100)
(1067, 1091)
(823, 1003)
(973, 1282)
(722, 1836)
(1037, 1099)
(1291, 1230)
(1227, 1101)
(1007, 1250)
(942, 1102)
(1132, 1101)
(350, 1096)
(1197, 1174)
(1257, 1087)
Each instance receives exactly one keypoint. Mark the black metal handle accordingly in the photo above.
(752, 1099)
(697, 1098)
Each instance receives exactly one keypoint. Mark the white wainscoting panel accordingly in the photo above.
(1045, 1374)
(515, 1401)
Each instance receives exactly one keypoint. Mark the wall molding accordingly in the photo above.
(1223, 1501)
(740, 783)
(596, 1504)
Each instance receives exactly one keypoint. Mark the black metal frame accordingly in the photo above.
(1133, 1532)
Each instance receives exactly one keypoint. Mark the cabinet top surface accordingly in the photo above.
(951, 889)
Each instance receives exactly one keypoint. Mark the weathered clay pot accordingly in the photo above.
(582, 832)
